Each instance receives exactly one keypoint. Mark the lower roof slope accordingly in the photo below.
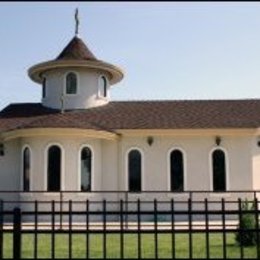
(191, 114)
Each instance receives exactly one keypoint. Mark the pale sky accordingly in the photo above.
(168, 50)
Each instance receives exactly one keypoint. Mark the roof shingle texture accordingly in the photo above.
(76, 50)
(200, 114)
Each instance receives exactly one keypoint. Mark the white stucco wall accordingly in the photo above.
(256, 163)
(197, 151)
(10, 166)
(109, 170)
(88, 90)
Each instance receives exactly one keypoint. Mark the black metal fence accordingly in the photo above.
(127, 229)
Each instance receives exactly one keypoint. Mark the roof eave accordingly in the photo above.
(35, 72)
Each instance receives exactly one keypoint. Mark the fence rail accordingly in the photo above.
(127, 229)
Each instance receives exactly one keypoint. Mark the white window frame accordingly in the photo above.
(22, 167)
(62, 181)
(100, 91)
(65, 84)
(184, 155)
(92, 168)
(142, 170)
(219, 193)
(44, 78)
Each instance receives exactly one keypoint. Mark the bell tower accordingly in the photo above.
(76, 79)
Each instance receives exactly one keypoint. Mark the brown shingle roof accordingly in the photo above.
(197, 114)
(76, 50)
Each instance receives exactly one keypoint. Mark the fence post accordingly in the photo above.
(1, 227)
(257, 227)
(17, 234)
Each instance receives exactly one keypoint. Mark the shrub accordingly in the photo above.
(245, 235)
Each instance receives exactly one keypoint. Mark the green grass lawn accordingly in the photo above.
(130, 246)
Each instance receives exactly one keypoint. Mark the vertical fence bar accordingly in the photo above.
(126, 210)
(257, 228)
(121, 230)
(87, 229)
(53, 229)
(173, 228)
(104, 230)
(17, 236)
(240, 229)
(35, 229)
(207, 227)
(1, 228)
(190, 228)
(155, 230)
(224, 228)
(61, 208)
(70, 229)
(139, 229)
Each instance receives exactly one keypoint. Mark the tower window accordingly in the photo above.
(44, 88)
(71, 83)
(103, 84)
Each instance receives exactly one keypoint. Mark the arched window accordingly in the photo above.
(54, 168)
(134, 171)
(219, 170)
(103, 86)
(71, 83)
(176, 171)
(44, 88)
(26, 169)
(86, 169)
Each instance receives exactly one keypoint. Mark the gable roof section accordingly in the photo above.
(197, 114)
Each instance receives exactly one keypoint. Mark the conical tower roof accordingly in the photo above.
(76, 50)
(76, 54)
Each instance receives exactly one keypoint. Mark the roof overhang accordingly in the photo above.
(58, 132)
(189, 132)
(36, 71)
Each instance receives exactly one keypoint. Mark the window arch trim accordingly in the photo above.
(142, 168)
(92, 169)
(65, 83)
(226, 168)
(22, 168)
(62, 175)
(184, 158)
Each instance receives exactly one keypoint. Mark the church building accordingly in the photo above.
(78, 139)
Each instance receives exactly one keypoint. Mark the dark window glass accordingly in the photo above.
(134, 170)
(86, 164)
(54, 168)
(71, 83)
(26, 169)
(44, 88)
(103, 86)
(177, 174)
(219, 170)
